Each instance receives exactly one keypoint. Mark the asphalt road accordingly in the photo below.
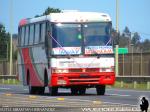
(18, 96)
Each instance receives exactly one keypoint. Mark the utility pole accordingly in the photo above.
(11, 31)
(117, 46)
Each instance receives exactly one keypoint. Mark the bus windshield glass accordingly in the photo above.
(97, 38)
(96, 34)
(69, 37)
(72, 38)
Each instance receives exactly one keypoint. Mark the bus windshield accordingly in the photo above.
(93, 37)
(69, 37)
(96, 34)
(97, 38)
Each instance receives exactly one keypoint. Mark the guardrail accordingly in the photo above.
(134, 80)
(5, 77)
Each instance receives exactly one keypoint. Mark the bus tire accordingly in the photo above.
(40, 90)
(53, 91)
(100, 89)
(32, 89)
(82, 91)
(74, 90)
(45, 78)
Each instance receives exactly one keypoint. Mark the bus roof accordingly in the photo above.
(74, 17)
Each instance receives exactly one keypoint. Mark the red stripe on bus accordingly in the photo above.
(23, 22)
(35, 81)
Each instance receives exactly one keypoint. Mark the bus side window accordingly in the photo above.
(37, 33)
(19, 36)
(26, 35)
(31, 37)
(22, 36)
(42, 32)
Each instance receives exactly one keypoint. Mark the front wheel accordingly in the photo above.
(32, 89)
(82, 91)
(36, 90)
(100, 89)
(74, 90)
(53, 91)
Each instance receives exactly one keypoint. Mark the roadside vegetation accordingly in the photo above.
(9, 82)
(130, 85)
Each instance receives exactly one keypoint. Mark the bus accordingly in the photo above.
(72, 50)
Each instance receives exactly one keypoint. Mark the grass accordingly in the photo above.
(9, 81)
(130, 85)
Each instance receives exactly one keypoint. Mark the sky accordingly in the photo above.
(132, 13)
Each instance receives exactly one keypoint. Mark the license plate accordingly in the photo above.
(84, 75)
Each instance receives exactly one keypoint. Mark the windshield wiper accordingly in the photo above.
(63, 49)
(59, 44)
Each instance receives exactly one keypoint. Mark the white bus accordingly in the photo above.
(66, 50)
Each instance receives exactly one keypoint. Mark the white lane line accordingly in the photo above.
(117, 95)
(120, 104)
(5, 88)
(128, 90)
(104, 102)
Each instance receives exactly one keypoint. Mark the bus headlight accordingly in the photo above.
(61, 82)
(111, 69)
(60, 71)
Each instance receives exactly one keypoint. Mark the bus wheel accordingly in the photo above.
(53, 91)
(74, 90)
(32, 90)
(100, 89)
(82, 91)
(41, 90)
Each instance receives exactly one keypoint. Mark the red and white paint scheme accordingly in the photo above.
(66, 50)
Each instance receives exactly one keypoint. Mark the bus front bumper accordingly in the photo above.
(72, 79)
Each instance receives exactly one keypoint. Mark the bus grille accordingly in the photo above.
(84, 70)
(84, 80)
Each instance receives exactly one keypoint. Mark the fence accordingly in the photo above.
(134, 64)
(4, 68)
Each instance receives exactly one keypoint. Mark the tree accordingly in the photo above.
(146, 45)
(125, 38)
(135, 39)
(115, 36)
(4, 37)
(4, 42)
(126, 32)
(48, 11)
(51, 10)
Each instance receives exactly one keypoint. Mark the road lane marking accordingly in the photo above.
(117, 95)
(128, 90)
(61, 99)
(32, 97)
(5, 88)
(120, 104)
(97, 102)
(8, 94)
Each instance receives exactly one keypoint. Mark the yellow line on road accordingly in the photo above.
(8, 94)
(61, 99)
